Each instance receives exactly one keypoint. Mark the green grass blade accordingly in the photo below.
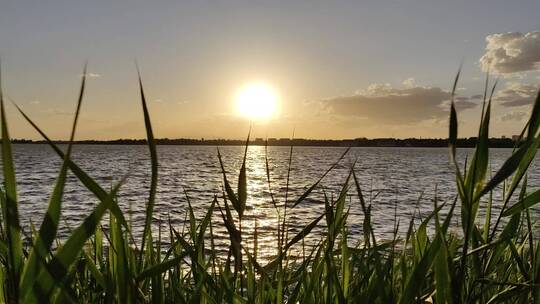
(85, 179)
(443, 280)
(10, 208)
(507, 169)
(228, 189)
(479, 163)
(534, 121)
(529, 201)
(302, 234)
(147, 232)
(418, 272)
(267, 167)
(49, 226)
(235, 235)
(98, 276)
(242, 182)
(58, 267)
(161, 267)
(313, 186)
(204, 224)
(453, 124)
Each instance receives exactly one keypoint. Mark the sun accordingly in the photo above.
(257, 101)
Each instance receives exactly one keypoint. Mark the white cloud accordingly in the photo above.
(92, 75)
(35, 102)
(409, 83)
(512, 52)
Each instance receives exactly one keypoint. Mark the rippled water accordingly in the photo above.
(392, 178)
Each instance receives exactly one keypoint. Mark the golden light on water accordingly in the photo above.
(257, 101)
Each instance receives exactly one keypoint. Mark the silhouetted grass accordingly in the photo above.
(497, 260)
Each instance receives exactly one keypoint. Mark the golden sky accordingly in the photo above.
(335, 70)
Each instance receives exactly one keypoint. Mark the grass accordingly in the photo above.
(491, 260)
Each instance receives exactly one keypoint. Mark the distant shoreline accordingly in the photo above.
(359, 142)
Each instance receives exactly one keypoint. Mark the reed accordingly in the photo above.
(491, 260)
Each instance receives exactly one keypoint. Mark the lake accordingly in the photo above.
(392, 179)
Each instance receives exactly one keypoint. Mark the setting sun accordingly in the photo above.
(257, 100)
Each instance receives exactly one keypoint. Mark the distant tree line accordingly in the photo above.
(358, 142)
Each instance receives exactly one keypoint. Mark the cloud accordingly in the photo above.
(409, 83)
(35, 102)
(514, 115)
(516, 95)
(512, 52)
(383, 103)
(92, 75)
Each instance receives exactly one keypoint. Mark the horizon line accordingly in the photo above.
(495, 142)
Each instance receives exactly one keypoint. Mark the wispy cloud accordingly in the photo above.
(56, 111)
(514, 116)
(516, 94)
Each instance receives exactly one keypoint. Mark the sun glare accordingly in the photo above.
(257, 100)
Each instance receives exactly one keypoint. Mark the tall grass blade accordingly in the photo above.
(62, 261)
(313, 186)
(529, 201)
(242, 182)
(147, 232)
(228, 189)
(10, 207)
(49, 226)
(507, 169)
(534, 121)
(85, 179)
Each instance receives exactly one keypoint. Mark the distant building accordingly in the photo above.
(503, 137)
(515, 137)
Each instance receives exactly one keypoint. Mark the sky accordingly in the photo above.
(340, 69)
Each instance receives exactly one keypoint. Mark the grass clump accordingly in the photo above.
(493, 260)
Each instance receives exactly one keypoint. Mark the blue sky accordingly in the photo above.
(334, 64)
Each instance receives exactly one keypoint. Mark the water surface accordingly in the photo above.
(397, 182)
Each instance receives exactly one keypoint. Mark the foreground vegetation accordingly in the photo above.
(493, 259)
